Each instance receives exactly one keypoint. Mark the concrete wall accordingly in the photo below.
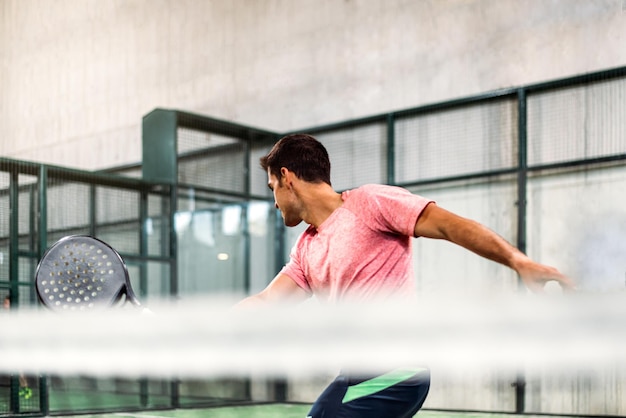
(76, 77)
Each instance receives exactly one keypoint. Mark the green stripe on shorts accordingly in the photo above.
(379, 383)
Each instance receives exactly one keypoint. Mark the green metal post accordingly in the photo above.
(32, 238)
(32, 219)
(173, 255)
(92, 210)
(159, 148)
(522, 179)
(391, 149)
(14, 398)
(44, 401)
(173, 251)
(143, 243)
(245, 230)
(143, 278)
(14, 238)
(160, 165)
(43, 210)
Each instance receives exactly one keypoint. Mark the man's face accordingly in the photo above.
(284, 199)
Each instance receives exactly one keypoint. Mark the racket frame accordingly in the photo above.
(126, 290)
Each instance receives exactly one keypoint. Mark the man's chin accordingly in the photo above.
(292, 222)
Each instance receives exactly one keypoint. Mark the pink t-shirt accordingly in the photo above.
(363, 250)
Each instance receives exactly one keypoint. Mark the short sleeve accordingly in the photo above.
(391, 208)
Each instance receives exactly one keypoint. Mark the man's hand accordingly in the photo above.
(535, 276)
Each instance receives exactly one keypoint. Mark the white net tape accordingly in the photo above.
(206, 337)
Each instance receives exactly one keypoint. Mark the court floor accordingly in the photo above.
(272, 411)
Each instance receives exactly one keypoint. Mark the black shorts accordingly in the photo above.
(397, 394)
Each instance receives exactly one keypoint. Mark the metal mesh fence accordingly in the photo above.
(577, 122)
(469, 155)
(468, 139)
(39, 205)
(211, 161)
(358, 154)
(118, 218)
(68, 208)
(258, 178)
(27, 218)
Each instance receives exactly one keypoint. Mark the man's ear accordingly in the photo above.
(286, 176)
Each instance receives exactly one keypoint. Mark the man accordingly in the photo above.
(358, 247)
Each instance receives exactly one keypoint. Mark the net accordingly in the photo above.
(206, 337)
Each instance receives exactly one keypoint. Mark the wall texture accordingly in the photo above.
(77, 77)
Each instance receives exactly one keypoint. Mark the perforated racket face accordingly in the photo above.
(79, 273)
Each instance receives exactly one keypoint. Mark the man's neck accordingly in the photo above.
(320, 201)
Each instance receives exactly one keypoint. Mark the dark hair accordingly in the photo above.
(302, 154)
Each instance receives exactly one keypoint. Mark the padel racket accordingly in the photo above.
(80, 272)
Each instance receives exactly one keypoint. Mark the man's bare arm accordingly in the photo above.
(438, 223)
(282, 289)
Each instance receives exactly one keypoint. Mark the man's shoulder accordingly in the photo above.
(369, 197)
(377, 189)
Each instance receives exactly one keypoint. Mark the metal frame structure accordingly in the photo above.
(522, 170)
(160, 171)
(26, 245)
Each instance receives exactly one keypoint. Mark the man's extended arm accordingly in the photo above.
(438, 223)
